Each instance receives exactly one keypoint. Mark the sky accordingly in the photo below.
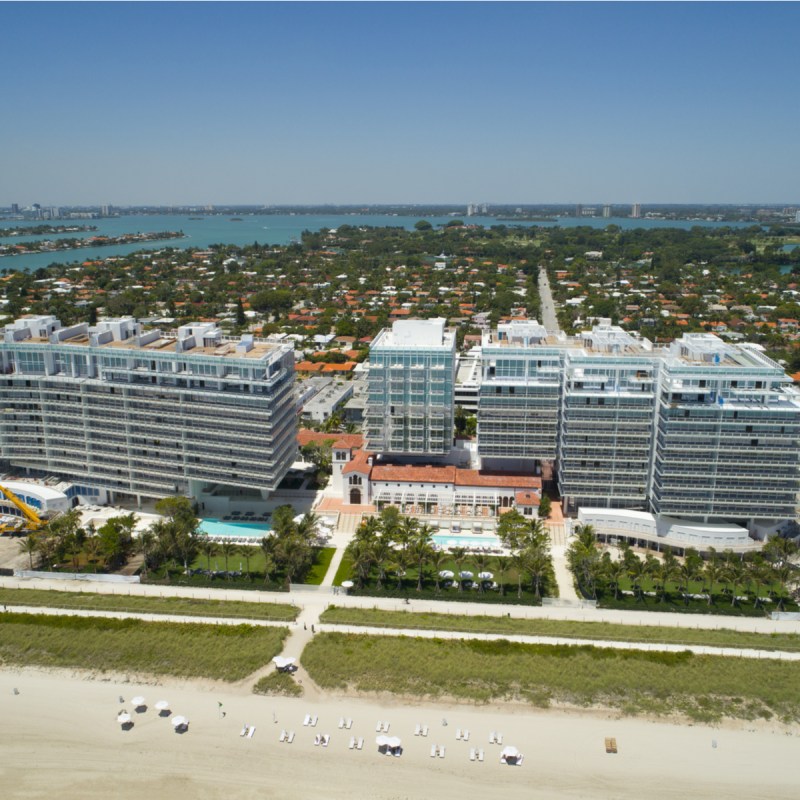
(309, 103)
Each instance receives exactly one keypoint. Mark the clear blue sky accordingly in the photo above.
(393, 102)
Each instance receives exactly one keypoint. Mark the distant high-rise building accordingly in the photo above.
(15, 208)
(606, 211)
(636, 210)
(104, 210)
(797, 216)
(579, 210)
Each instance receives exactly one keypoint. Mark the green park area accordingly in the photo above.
(136, 604)
(599, 631)
(701, 688)
(185, 650)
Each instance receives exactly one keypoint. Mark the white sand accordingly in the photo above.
(60, 739)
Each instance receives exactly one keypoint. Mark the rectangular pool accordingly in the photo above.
(218, 527)
(460, 540)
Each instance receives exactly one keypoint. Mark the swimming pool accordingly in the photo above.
(216, 527)
(458, 540)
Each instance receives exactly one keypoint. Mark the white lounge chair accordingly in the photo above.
(360, 744)
(491, 737)
(314, 721)
(325, 739)
(499, 738)
(417, 730)
(480, 754)
(424, 730)
(349, 723)
(465, 736)
(307, 720)
(317, 740)
(458, 733)
(341, 723)
(291, 738)
(352, 742)
(472, 754)
(378, 727)
(441, 751)
(386, 727)
(244, 731)
(282, 737)
(251, 732)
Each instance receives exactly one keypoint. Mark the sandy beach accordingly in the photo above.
(61, 739)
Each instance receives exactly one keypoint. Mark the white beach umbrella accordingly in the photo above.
(162, 705)
(180, 722)
(447, 573)
(393, 741)
(281, 662)
(465, 574)
(123, 718)
(383, 741)
(347, 584)
(486, 576)
(138, 702)
(510, 752)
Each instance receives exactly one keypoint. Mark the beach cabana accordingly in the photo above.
(511, 756)
(139, 702)
(180, 724)
(162, 706)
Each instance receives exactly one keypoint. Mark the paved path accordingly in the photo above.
(549, 317)
(566, 584)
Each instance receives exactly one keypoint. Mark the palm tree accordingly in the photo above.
(362, 557)
(145, 544)
(247, 551)
(438, 561)
(208, 547)
(459, 555)
(307, 527)
(481, 561)
(614, 572)
(266, 544)
(637, 570)
(501, 568)
(519, 563)
(733, 574)
(713, 572)
(30, 546)
(664, 571)
(420, 550)
(227, 548)
(537, 563)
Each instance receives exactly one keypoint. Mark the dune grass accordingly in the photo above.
(703, 688)
(136, 604)
(605, 631)
(187, 650)
(278, 683)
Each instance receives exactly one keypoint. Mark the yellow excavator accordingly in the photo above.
(30, 521)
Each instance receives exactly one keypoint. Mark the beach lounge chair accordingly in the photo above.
(290, 739)
(352, 742)
(458, 733)
(491, 737)
(465, 735)
(611, 745)
(307, 720)
(325, 739)
(317, 740)
(360, 744)
(341, 723)
(282, 737)
(499, 738)
(480, 755)
(378, 727)
(472, 754)
(314, 721)
(424, 730)
(417, 730)
(386, 727)
(251, 732)
(244, 731)
(433, 751)
(349, 723)
(441, 752)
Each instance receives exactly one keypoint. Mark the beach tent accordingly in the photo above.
(511, 756)
(138, 702)
(180, 724)
(162, 706)
(124, 718)
(284, 664)
(383, 743)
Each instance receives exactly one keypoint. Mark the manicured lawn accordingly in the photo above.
(151, 605)
(391, 587)
(703, 688)
(188, 650)
(605, 631)
(319, 569)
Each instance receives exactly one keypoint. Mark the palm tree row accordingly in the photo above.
(386, 546)
(597, 573)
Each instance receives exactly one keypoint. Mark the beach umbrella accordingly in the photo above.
(281, 662)
(162, 705)
(486, 576)
(180, 722)
(123, 718)
(465, 574)
(347, 584)
(393, 741)
(138, 702)
(383, 741)
(447, 573)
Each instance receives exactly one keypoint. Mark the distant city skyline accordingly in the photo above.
(366, 103)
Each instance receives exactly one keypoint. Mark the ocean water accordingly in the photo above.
(279, 229)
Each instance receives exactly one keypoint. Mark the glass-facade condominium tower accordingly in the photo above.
(410, 389)
(146, 413)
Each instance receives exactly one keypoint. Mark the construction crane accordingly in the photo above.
(32, 520)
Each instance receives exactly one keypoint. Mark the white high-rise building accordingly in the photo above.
(146, 414)
(410, 410)
(636, 211)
